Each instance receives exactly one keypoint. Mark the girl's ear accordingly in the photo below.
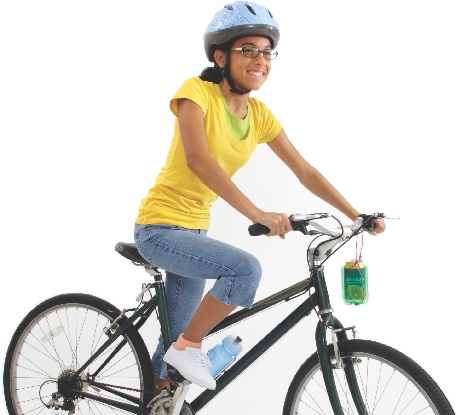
(219, 56)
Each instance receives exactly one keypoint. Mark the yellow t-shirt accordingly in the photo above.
(179, 197)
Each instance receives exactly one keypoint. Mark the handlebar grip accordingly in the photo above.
(257, 229)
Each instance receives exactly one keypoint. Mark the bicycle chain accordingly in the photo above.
(92, 383)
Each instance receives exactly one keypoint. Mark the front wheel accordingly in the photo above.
(389, 382)
(54, 340)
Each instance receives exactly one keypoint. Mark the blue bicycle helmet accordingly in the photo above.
(240, 19)
(236, 20)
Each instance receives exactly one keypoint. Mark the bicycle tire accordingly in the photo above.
(58, 336)
(390, 382)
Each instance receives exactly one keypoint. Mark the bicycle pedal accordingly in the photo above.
(174, 377)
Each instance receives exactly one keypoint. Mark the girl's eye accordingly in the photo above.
(247, 50)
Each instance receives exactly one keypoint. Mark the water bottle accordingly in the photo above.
(222, 355)
(355, 283)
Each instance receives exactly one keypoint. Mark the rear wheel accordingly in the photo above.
(54, 340)
(389, 381)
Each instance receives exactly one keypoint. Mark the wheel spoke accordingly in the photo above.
(314, 410)
(400, 396)
(345, 392)
(35, 409)
(34, 371)
(94, 347)
(69, 338)
(81, 331)
(409, 403)
(384, 389)
(56, 359)
(44, 354)
(118, 371)
(367, 382)
(104, 374)
(51, 342)
(43, 371)
(378, 384)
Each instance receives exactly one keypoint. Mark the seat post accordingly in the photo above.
(153, 271)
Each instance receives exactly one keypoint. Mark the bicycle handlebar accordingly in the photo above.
(299, 222)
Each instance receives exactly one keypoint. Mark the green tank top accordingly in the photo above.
(239, 127)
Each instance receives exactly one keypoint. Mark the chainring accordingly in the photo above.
(160, 404)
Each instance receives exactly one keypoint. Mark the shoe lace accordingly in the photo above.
(200, 358)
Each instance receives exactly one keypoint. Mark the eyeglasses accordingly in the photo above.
(251, 52)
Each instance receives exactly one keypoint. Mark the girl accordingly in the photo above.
(217, 128)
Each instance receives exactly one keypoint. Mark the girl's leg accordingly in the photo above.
(187, 252)
(207, 316)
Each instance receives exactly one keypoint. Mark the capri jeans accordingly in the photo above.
(190, 258)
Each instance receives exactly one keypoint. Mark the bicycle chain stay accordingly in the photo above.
(165, 397)
(92, 383)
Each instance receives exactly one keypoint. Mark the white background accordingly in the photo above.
(366, 90)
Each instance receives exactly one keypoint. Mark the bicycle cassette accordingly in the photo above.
(160, 404)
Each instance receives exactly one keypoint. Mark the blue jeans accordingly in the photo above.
(190, 258)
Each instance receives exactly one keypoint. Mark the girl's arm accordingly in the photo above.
(204, 166)
(313, 180)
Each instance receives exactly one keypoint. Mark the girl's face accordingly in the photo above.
(250, 73)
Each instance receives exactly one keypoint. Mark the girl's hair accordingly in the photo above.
(215, 73)
(212, 74)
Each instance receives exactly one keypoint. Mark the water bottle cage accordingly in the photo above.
(221, 373)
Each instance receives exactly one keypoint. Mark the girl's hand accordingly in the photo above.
(380, 227)
(278, 223)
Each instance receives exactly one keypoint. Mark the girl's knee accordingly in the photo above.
(240, 287)
(249, 269)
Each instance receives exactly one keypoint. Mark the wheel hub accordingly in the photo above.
(80, 384)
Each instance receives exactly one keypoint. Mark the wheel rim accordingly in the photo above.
(385, 388)
(60, 340)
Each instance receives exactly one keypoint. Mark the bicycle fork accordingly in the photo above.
(327, 320)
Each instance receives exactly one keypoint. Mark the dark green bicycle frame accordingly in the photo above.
(319, 299)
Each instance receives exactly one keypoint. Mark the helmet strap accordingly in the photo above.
(227, 75)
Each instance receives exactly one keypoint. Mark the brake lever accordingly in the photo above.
(362, 219)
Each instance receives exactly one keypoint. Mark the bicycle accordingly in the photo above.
(79, 353)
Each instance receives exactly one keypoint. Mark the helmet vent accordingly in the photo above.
(250, 9)
(228, 7)
(270, 14)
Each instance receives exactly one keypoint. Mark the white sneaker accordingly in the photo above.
(193, 364)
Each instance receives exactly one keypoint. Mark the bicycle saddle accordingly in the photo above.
(130, 251)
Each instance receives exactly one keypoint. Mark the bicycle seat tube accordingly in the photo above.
(163, 312)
